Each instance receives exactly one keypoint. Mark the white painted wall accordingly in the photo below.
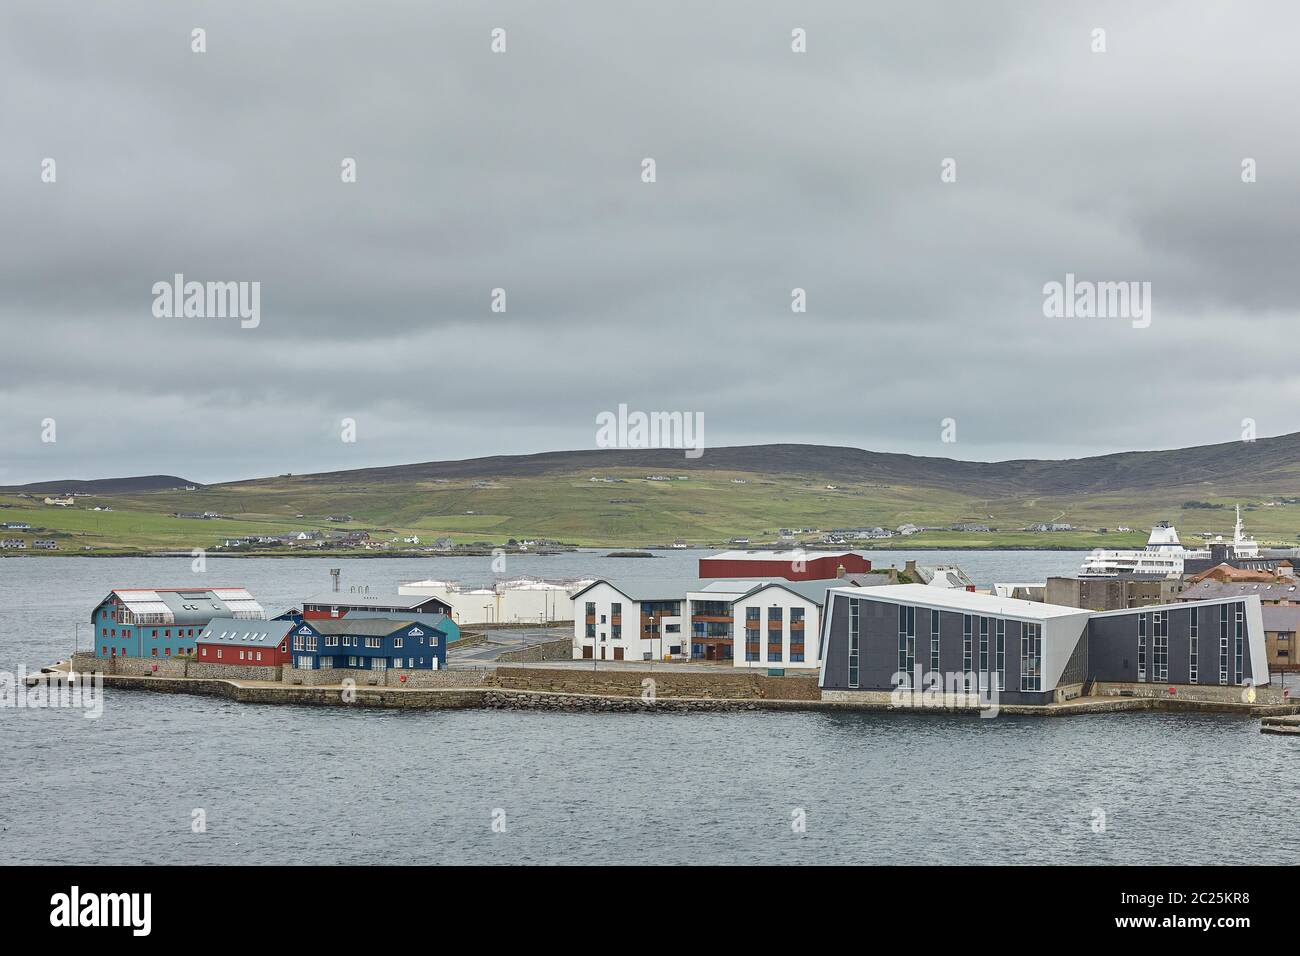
(508, 606)
(636, 646)
(769, 597)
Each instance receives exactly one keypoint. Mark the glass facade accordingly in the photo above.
(853, 642)
(1031, 657)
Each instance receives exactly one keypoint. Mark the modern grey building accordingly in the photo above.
(909, 635)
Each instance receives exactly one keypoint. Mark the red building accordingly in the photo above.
(789, 565)
(226, 640)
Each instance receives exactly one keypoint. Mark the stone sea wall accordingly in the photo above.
(720, 684)
(557, 650)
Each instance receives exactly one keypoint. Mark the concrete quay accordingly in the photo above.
(565, 690)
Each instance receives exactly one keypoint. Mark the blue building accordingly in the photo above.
(164, 622)
(372, 643)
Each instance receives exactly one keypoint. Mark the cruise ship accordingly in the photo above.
(1164, 554)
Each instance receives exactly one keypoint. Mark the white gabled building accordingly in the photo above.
(747, 624)
(629, 622)
(779, 623)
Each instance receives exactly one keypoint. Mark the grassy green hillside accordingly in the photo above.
(538, 496)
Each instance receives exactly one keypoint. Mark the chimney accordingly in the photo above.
(910, 569)
(334, 573)
(840, 572)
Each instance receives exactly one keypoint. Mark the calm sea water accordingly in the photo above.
(289, 784)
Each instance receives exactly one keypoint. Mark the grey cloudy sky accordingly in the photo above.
(522, 170)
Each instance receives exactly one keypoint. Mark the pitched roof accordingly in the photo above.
(873, 579)
(437, 620)
(230, 631)
(1276, 591)
(1227, 573)
(779, 555)
(1281, 618)
(182, 606)
(367, 599)
(943, 575)
(669, 589)
(814, 591)
(359, 626)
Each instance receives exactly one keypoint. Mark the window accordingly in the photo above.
(775, 627)
(984, 649)
(1160, 644)
(616, 609)
(1142, 646)
(1002, 654)
(1193, 650)
(934, 642)
(397, 642)
(966, 640)
(853, 642)
(906, 644)
(1223, 643)
(796, 635)
(1239, 636)
(1031, 657)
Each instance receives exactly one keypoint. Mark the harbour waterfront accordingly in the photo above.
(288, 784)
(43, 599)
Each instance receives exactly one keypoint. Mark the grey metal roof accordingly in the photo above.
(191, 606)
(668, 589)
(814, 591)
(1278, 591)
(235, 631)
(378, 599)
(948, 575)
(1281, 618)
(360, 626)
(436, 621)
(871, 580)
(675, 589)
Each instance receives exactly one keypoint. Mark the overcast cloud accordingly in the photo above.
(522, 170)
